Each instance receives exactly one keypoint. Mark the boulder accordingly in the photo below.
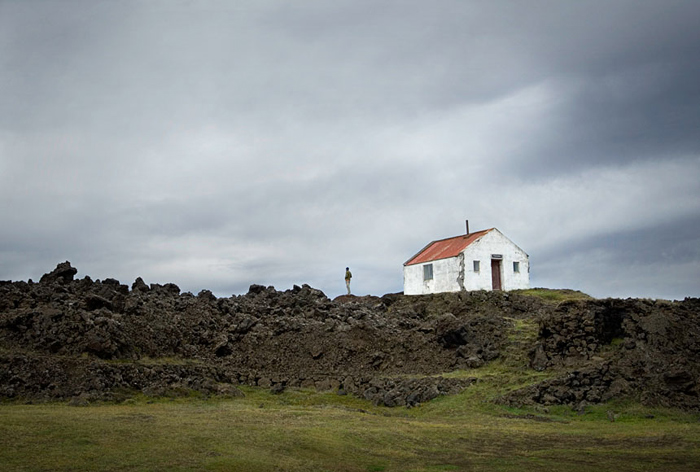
(63, 272)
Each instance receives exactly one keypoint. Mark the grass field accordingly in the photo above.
(309, 431)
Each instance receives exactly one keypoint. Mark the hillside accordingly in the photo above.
(85, 340)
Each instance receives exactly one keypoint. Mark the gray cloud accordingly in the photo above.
(633, 262)
(217, 144)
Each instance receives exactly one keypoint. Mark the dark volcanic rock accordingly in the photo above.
(55, 337)
(62, 273)
(651, 349)
(139, 285)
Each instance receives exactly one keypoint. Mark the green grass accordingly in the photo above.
(554, 295)
(305, 431)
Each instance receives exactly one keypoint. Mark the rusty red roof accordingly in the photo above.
(444, 248)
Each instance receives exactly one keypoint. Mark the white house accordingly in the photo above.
(485, 260)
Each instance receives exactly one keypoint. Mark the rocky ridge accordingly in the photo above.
(66, 338)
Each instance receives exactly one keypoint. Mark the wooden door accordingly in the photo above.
(496, 274)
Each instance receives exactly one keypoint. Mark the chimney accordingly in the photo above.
(467, 226)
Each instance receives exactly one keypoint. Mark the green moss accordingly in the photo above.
(554, 295)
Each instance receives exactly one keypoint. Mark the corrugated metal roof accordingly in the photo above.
(444, 248)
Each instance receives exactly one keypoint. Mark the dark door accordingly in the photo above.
(496, 274)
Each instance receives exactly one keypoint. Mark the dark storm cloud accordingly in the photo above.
(672, 243)
(617, 264)
(217, 144)
(648, 113)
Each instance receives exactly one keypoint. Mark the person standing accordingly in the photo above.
(348, 276)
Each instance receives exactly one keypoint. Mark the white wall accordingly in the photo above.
(446, 272)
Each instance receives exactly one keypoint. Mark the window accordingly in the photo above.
(477, 266)
(516, 266)
(428, 272)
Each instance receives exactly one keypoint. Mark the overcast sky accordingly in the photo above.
(216, 144)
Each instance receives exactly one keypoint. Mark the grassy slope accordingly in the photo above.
(305, 431)
(299, 431)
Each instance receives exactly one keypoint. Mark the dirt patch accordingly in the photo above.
(537, 418)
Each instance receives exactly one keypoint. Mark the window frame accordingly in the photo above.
(428, 272)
